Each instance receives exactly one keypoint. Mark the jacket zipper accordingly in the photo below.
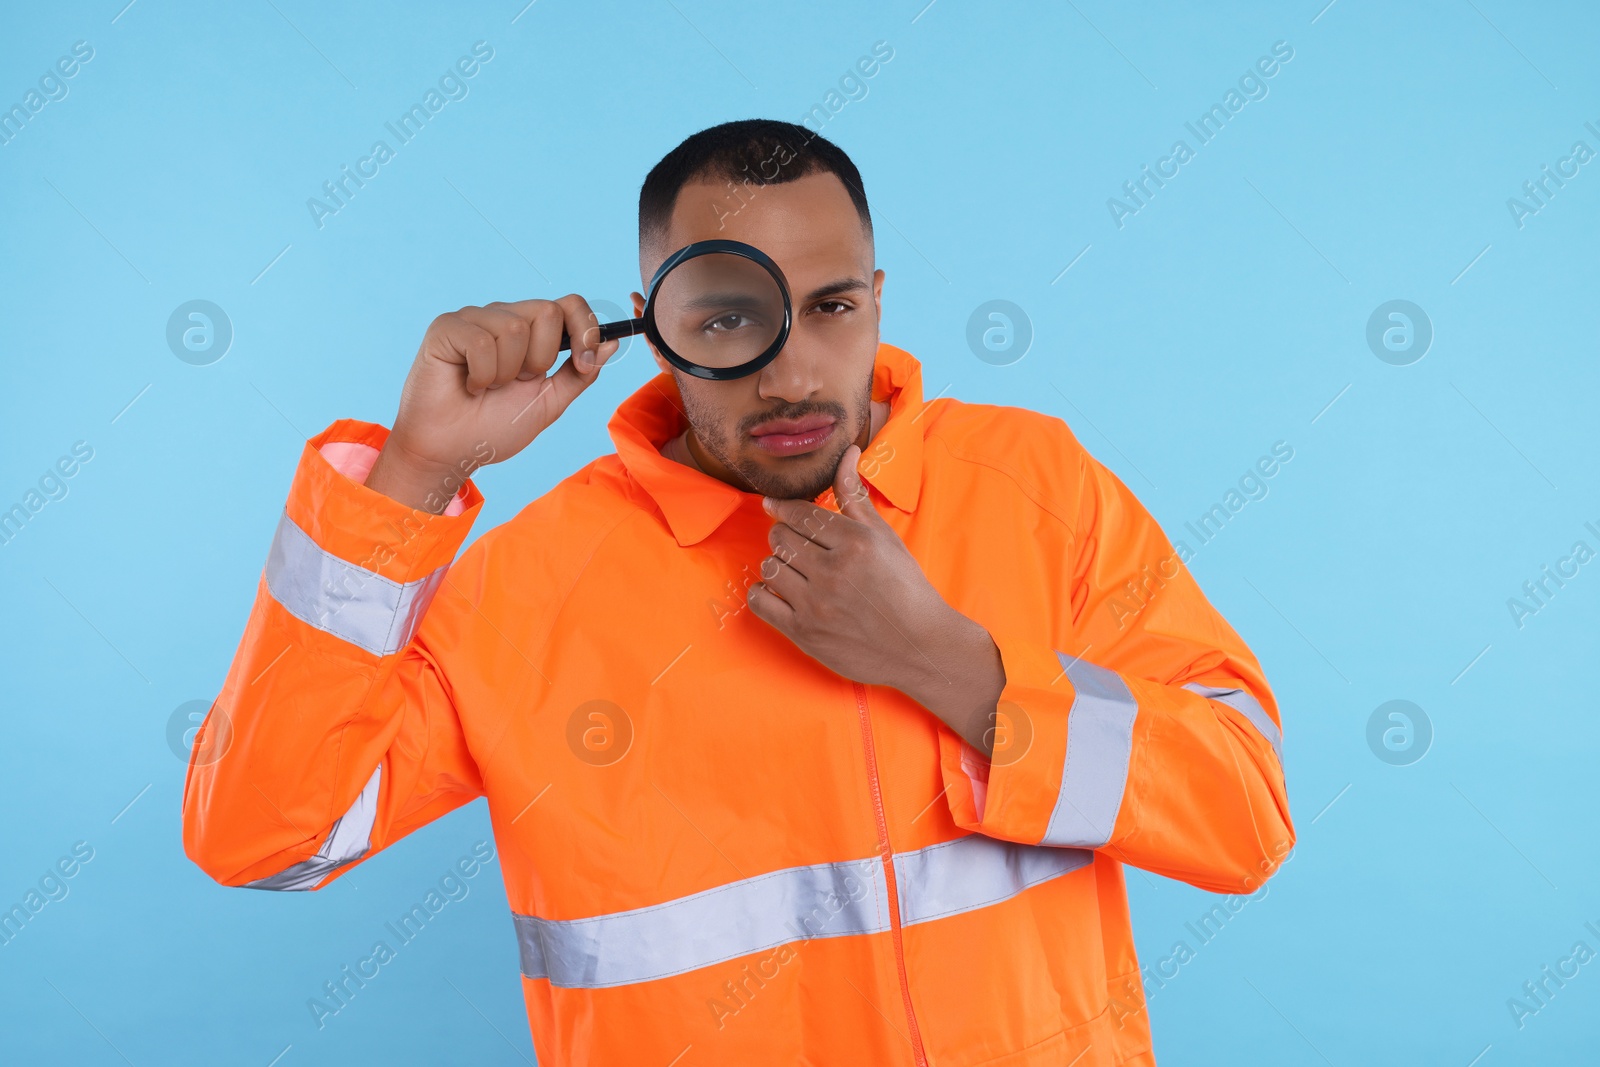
(887, 855)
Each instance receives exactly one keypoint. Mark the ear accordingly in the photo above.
(638, 312)
(877, 293)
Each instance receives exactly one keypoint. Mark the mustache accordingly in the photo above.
(834, 411)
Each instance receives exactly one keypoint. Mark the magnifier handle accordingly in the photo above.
(609, 331)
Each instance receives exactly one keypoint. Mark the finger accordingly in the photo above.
(544, 346)
(818, 525)
(603, 350)
(582, 367)
(473, 347)
(793, 548)
(850, 491)
(770, 607)
(783, 579)
(583, 328)
(511, 336)
(565, 384)
(530, 313)
(543, 321)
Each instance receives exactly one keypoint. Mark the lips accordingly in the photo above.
(793, 437)
(791, 427)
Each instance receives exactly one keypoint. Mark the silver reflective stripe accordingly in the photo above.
(1250, 708)
(796, 904)
(340, 598)
(348, 840)
(737, 919)
(1099, 747)
(973, 872)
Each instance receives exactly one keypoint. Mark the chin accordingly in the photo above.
(795, 477)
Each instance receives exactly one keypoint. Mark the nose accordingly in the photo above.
(795, 374)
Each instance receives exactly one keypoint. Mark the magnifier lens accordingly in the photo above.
(719, 310)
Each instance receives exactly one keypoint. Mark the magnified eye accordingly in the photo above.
(731, 321)
(719, 310)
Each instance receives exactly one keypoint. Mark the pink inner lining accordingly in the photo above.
(354, 460)
(977, 770)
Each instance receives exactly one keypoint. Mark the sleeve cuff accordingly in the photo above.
(360, 526)
(354, 460)
(1012, 794)
(359, 568)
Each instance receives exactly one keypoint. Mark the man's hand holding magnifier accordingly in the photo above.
(479, 392)
(481, 389)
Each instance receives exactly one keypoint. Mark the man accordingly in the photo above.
(816, 722)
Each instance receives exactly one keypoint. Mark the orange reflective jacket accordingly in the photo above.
(718, 851)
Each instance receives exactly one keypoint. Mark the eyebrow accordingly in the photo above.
(843, 285)
(726, 299)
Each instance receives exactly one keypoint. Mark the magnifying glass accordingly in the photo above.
(716, 309)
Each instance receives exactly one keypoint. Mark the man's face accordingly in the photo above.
(824, 372)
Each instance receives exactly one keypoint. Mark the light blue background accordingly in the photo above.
(1223, 317)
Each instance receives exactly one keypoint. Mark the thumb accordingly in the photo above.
(850, 492)
(573, 376)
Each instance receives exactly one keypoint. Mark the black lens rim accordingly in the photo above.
(701, 248)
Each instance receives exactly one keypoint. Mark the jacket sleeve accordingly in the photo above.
(1141, 725)
(335, 733)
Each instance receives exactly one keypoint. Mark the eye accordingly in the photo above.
(729, 322)
(841, 305)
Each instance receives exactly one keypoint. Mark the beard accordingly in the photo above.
(801, 477)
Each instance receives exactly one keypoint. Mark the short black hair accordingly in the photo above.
(755, 151)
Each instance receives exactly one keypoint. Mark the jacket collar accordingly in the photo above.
(694, 504)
